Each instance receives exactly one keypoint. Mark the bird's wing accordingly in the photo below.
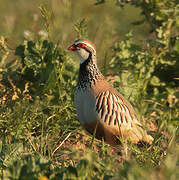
(112, 111)
(115, 112)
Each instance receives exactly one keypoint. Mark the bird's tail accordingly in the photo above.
(137, 134)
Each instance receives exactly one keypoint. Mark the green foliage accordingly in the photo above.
(140, 67)
(81, 29)
(90, 166)
(46, 67)
(36, 56)
(38, 107)
(29, 168)
(47, 17)
(4, 51)
(156, 13)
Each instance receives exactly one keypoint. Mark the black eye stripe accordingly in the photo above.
(77, 45)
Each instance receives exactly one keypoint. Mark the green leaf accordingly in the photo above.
(155, 81)
(20, 51)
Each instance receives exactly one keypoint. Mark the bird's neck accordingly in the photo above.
(89, 73)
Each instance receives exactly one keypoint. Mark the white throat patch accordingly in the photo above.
(82, 54)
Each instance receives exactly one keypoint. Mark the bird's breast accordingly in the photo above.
(85, 106)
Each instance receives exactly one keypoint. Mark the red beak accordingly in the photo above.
(72, 48)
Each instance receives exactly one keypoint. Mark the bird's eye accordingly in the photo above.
(80, 45)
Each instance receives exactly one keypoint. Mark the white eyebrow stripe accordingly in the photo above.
(88, 44)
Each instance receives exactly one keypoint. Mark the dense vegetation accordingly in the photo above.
(40, 136)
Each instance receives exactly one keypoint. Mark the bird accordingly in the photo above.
(100, 108)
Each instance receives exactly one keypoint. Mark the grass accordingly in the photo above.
(40, 136)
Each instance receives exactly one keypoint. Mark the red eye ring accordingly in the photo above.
(81, 45)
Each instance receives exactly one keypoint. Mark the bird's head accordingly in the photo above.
(83, 48)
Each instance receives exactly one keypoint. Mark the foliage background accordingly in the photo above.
(138, 51)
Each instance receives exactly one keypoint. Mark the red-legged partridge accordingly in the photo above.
(101, 108)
